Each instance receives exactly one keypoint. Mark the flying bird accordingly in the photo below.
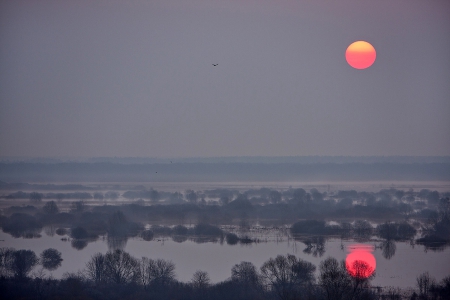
(215, 65)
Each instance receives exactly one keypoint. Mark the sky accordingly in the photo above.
(90, 78)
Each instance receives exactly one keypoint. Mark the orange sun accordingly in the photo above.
(360, 55)
(360, 263)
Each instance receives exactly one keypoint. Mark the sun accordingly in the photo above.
(360, 55)
(360, 263)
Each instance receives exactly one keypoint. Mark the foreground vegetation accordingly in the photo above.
(118, 275)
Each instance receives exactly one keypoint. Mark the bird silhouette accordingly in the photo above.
(215, 65)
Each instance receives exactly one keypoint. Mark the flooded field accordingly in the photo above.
(217, 258)
(266, 224)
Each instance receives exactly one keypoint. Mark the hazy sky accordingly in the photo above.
(135, 78)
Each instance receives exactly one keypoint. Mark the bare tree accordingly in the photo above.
(6, 260)
(245, 273)
(96, 268)
(121, 267)
(156, 272)
(200, 280)
(361, 273)
(23, 261)
(287, 275)
(334, 279)
(424, 282)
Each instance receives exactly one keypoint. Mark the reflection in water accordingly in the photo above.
(147, 235)
(61, 231)
(116, 242)
(315, 246)
(30, 234)
(388, 248)
(204, 239)
(50, 230)
(433, 243)
(179, 238)
(360, 262)
(79, 244)
(187, 259)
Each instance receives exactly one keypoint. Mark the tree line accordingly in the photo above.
(119, 275)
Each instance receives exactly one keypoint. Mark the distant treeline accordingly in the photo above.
(268, 207)
(222, 172)
(312, 159)
(48, 187)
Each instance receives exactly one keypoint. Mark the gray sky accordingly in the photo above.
(135, 78)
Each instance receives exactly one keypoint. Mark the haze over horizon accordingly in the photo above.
(136, 79)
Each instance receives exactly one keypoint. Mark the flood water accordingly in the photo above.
(218, 258)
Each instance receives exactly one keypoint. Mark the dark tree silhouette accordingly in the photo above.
(78, 206)
(191, 196)
(316, 195)
(79, 244)
(50, 208)
(98, 196)
(96, 268)
(388, 248)
(361, 274)
(23, 261)
(111, 195)
(6, 260)
(245, 273)
(121, 267)
(79, 233)
(200, 280)
(424, 282)
(60, 197)
(275, 196)
(334, 279)
(315, 245)
(51, 259)
(147, 235)
(158, 273)
(154, 195)
(287, 275)
(36, 197)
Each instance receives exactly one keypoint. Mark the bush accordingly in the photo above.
(51, 259)
(231, 239)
